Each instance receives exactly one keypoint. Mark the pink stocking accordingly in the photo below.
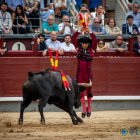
(83, 104)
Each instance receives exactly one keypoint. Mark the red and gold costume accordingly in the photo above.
(84, 68)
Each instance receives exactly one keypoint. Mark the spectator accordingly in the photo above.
(71, 7)
(136, 15)
(130, 5)
(53, 43)
(101, 46)
(137, 45)
(60, 7)
(84, 12)
(19, 20)
(111, 28)
(42, 46)
(45, 10)
(67, 46)
(5, 20)
(96, 27)
(129, 27)
(49, 26)
(32, 11)
(66, 27)
(118, 45)
(12, 4)
(99, 12)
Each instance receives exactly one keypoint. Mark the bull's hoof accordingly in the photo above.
(20, 121)
(75, 122)
(80, 120)
(42, 121)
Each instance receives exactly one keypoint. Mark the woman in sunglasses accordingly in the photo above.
(101, 46)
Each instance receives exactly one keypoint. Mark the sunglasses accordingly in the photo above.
(50, 19)
(101, 43)
(96, 22)
(67, 21)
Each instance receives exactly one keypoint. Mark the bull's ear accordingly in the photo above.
(30, 74)
(81, 88)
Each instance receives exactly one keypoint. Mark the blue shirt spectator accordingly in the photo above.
(13, 3)
(52, 42)
(136, 15)
(96, 27)
(45, 10)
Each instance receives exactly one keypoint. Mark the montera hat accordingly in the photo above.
(85, 39)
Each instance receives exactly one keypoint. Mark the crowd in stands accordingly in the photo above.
(85, 16)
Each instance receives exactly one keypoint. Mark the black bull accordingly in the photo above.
(47, 87)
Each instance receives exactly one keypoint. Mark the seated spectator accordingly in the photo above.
(32, 11)
(130, 5)
(42, 46)
(12, 4)
(136, 15)
(67, 46)
(66, 27)
(45, 10)
(5, 20)
(118, 45)
(99, 12)
(129, 27)
(85, 15)
(111, 28)
(137, 45)
(60, 7)
(96, 27)
(49, 25)
(71, 7)
(19, 20)
(53, 43)
(101, 46)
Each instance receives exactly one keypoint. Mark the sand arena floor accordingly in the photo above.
(102, 125)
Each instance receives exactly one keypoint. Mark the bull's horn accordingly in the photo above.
(86, 84)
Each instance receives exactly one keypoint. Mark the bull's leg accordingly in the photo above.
(68, 109)
(41, 105)
(78, 118)
(71, 113)
(23, 105)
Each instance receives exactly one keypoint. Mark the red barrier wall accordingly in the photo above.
(113, 76)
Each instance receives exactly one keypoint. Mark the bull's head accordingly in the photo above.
(81, 87)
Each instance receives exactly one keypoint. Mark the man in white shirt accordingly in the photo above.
(67, 46)
(5, 20)
(66, 27)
